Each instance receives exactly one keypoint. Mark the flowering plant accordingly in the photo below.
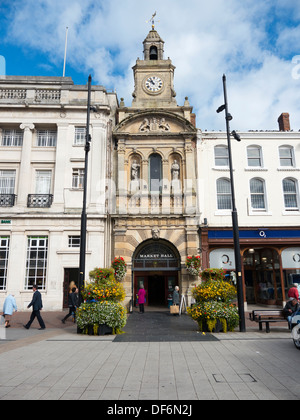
(112, 314)
(210, 312)
(103, 287)
(119, 265)
(193, 264)
(213, 273)
(213, 302)
(217, 290)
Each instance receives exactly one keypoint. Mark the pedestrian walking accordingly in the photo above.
(9, 307)
(37, 306)
(72, 304)
(141, 301)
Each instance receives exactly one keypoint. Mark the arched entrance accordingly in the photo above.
(156, 266)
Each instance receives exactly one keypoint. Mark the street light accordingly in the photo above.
(83, 214)
(237, 252)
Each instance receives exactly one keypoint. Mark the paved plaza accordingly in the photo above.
(147, 363)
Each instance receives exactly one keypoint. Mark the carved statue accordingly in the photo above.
(135, 169)
(175, 169)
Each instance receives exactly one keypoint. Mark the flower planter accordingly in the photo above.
(203, 326)
(101, 329)
(104, 329)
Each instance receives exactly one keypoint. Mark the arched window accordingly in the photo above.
(155, 172)
(221, 156)
(290, 194)
(224, 194)
(153, 55)
(257, 193)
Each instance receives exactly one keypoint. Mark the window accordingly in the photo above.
(36, 262)
(4, 250)
(7, 181)
(155, 172)
(74, 241)
(257, 193)
(43, 182)
(286, 156)
(221, 156)
(77, 178)
(80, 136)
(254, 156)
(224, 194)
(12, 138)
(46, 138)
(290, 194)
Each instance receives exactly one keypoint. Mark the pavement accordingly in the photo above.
(159, 359)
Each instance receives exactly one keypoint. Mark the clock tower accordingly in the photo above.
(153, 76)
(153, 201)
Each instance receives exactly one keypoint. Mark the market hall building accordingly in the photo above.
(154, 219)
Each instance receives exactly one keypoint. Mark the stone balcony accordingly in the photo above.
(49, 91)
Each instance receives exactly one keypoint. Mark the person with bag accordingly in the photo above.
(72, 304)
(9, 307)
(175, 308)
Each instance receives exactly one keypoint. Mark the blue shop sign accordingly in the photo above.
(255, 234)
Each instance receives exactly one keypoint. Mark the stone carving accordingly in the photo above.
(155, 233)
(154, 124)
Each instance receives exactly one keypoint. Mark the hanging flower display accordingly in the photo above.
(193, 265)
(119, 265)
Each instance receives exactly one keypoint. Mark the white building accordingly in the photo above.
(42, 138)
(266, 179)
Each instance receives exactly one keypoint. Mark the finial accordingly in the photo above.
(152, 20)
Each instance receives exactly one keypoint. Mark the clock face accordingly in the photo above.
(153, 84)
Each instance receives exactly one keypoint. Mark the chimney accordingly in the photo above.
(284, 122)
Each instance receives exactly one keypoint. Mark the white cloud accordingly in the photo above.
(204, 40)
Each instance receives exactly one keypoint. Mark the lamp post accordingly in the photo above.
(83, 214)
(237, 252)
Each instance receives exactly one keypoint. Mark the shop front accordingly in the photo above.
(270, 261)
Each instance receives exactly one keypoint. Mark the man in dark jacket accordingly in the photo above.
(37, 305)
(290, 309)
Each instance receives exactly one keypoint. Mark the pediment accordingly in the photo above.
(155, 122)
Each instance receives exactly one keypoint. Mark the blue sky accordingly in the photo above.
(256, 44)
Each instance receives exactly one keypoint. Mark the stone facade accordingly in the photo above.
(155, 179)
(42, 139)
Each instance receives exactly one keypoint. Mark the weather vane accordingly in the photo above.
(152, 20)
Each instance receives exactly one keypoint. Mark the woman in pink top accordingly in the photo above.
(141, 301)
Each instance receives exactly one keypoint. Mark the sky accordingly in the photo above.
(255, 43)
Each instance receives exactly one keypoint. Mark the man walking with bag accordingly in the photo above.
(37, 305)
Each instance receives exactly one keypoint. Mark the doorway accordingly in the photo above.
(70, 275)
(159, 287)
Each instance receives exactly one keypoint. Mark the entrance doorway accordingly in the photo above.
(156, 266)
(159, 287)
(70, 275)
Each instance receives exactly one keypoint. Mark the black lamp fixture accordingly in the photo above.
(237, 252)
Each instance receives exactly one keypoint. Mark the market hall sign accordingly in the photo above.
(142, 256)
(155, 256)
